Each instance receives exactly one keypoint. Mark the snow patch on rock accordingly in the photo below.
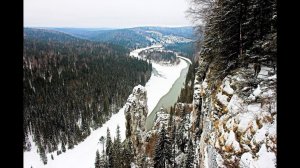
(222, 99)
(265, 158)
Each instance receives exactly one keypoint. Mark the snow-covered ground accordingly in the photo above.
(83, 154)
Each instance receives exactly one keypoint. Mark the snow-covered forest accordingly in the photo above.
(88, 94)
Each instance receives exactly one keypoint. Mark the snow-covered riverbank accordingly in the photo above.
(159, 84)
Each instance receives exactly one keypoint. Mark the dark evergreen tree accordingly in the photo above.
(106, 105)
(109, 150)
(117, 149)
(127, 154)
(102, 161)
(162, 155)
(170, 123)
(190, 156)
(63, 147)
(183, 112)
(173, 144)
(42, 154)
(110, 159)
(97, 160)
(181, 141)
(58, 152)
(118, 137)
(108, 141)
(70, 143)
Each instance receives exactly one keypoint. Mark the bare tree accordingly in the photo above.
(102, 141)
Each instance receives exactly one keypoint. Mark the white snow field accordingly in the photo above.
(83, 155)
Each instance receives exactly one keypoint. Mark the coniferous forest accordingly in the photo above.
(184, 49)
(71, 85)
(159, 56)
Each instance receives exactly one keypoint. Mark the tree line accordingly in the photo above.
(184, 49)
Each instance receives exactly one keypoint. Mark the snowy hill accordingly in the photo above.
(135, 37)
(157, 37)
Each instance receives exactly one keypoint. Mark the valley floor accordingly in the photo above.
(83, 154)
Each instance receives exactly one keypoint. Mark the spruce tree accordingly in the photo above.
(127, 154)
(181, 140)
(190, 157)
(108, 141)
(109, 150)
(118, 138)
(173, 142)
(43, 154)
(110, 159)
(63, 147)
(106, 105)
(117, 149)
(102, 161)
(70, 143)
(97, 160)
(170, 123)
(162, 155)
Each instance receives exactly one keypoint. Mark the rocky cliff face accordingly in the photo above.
(236, 118)
(231, 122)
(136, 113)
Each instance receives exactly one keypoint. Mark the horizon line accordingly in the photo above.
(108, 27)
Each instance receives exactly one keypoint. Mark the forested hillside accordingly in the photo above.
(186, 32)
(127, 38)
(138, 37)
(71, 85)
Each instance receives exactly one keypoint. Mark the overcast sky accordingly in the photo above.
(105, 13)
